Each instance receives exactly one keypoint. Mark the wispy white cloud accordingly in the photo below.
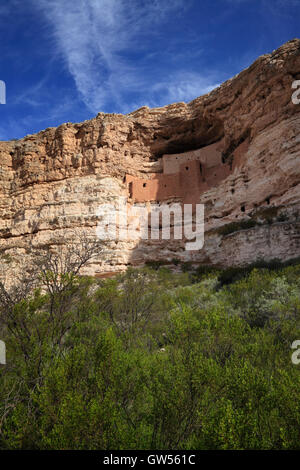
(185, 86)
(97, 40)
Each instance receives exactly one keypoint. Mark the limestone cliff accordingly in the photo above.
(244, 135)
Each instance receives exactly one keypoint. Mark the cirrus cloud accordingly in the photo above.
(104, 44)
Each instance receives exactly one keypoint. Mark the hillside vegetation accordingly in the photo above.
(152, 360)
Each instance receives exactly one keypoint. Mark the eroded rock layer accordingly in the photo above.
(240, 142)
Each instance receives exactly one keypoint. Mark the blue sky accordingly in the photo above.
(67, 60)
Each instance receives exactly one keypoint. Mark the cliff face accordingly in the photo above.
(242, 140)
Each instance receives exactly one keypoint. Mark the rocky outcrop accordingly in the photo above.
(53, 183)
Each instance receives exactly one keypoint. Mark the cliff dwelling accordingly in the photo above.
(185, 176)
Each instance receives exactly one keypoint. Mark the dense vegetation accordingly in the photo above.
(152, 360)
